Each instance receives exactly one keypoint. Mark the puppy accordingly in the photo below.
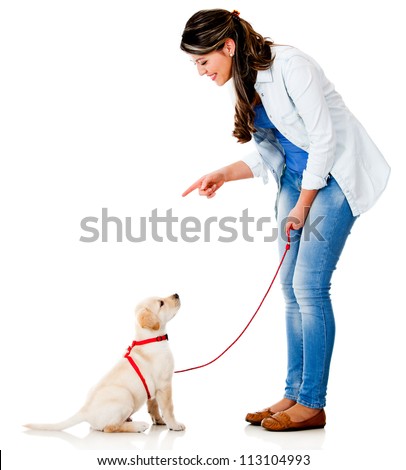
(121, 392)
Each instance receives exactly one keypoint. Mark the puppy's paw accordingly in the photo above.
(177, 426)
(140, 426)
(158, 421)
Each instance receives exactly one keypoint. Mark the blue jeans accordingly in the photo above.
(305, 277)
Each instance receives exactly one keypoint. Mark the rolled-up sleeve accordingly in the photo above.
(256, 165)
(304, 85)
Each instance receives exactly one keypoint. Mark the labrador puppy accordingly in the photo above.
(121, 392)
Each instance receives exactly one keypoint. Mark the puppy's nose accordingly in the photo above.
(176, 296)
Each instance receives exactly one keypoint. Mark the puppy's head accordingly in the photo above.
(153, 313)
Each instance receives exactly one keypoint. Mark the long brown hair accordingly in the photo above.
(206, 31)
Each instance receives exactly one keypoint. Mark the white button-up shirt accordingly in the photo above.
(304, 106)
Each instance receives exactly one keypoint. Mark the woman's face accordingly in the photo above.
(216, 65)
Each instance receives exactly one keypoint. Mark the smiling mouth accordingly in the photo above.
(213, 76)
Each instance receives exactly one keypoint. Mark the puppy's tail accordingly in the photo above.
(75, 419)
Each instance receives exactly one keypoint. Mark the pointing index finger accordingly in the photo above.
(192, 188)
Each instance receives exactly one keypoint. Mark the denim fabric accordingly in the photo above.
(305, 277)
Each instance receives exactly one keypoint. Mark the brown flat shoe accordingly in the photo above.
(282, 422)
(257, 417)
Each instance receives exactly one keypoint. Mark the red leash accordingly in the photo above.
(287, 248)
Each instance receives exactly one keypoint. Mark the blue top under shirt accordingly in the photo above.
(296, 158)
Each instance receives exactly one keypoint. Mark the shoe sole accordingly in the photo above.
(306, 428)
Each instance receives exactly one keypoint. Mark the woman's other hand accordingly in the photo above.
(298, 215)
(296, 218)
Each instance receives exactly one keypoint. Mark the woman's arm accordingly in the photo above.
(304, 83)
(210, 183)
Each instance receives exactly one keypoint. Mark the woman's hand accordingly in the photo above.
(209, 184)
(296, 218)
(298, 215)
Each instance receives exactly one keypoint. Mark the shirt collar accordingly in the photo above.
(264, 76)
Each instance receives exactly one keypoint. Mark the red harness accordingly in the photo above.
(131, 360)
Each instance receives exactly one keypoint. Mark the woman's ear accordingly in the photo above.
(229, 47)
(148, 319)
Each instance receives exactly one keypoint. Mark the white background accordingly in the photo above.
(100, 108)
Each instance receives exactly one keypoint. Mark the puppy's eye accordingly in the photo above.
(161, 303)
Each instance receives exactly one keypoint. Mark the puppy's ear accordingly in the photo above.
(148, 319)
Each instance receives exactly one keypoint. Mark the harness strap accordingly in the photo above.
(134, 365)
(137, 370)
(150, 340)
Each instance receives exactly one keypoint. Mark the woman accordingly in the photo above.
(327, 170)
